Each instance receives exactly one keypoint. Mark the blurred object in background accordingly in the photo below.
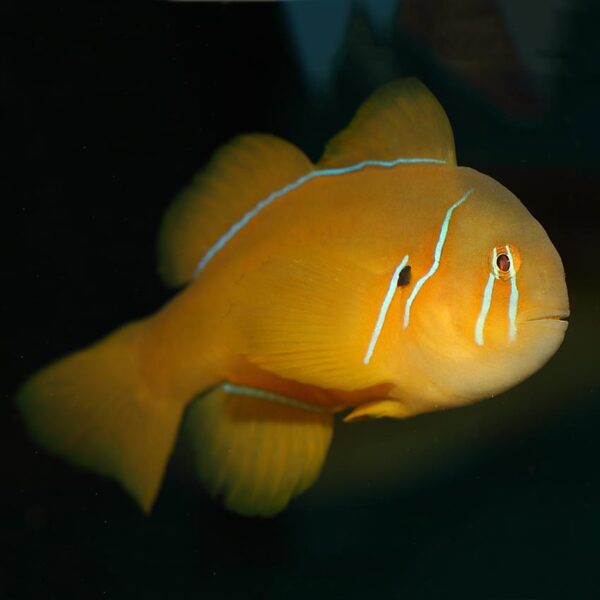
(508, 51)
(504, 49)
(319, 33)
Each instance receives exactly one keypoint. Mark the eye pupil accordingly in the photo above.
(503, 263)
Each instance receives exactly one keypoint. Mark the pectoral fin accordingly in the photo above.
(253, 450)
(378, 409)
(316, 321)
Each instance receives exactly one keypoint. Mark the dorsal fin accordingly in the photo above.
(400, 120)
(239, 175)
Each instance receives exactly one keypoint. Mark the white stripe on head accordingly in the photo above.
(486, 301)
(514, 297)
(384, 309)
(436, 256)
(495, 268)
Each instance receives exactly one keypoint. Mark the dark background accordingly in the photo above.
(106, 113)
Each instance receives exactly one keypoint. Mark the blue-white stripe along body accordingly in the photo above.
(248, 216)
(254, 392)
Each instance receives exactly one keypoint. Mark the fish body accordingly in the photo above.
(385, 280)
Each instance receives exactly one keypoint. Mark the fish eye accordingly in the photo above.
(503, 263)
(506, 261)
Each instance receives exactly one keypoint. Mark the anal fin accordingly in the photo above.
(257, 453)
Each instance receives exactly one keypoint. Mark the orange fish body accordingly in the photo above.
(386, 280)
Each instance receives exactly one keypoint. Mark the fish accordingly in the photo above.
(383, 281)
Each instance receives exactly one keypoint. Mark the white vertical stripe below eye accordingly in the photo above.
(486, 301)
(514, 298)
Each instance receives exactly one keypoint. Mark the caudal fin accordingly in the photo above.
(93, 409)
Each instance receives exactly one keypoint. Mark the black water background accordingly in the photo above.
(107, 112)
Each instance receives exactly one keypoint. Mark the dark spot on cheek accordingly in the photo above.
(404, 276)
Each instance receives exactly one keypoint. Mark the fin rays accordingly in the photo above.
(256, 453)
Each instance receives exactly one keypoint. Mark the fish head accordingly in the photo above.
(495, 310)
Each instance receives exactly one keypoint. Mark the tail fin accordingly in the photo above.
(93, 409)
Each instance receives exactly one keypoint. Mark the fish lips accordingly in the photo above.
(558, 318)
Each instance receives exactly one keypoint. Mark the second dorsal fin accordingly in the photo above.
(240, 175)
(401, 120)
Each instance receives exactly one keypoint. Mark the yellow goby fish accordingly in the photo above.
(385, 280)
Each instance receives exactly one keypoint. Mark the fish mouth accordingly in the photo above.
(559, 316)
